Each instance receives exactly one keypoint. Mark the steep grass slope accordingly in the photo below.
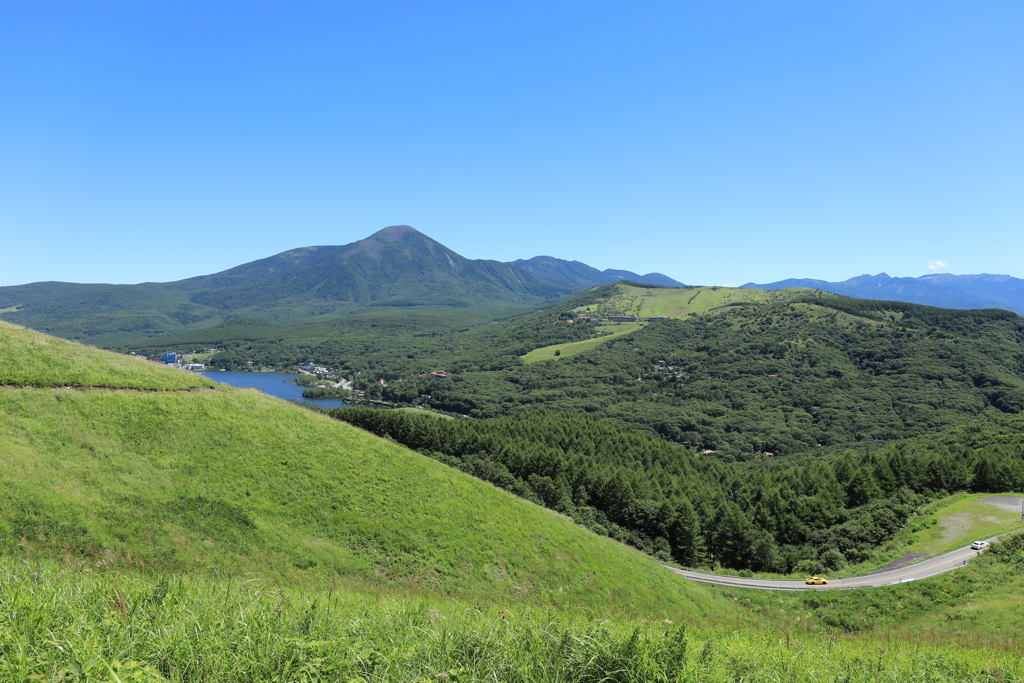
(235, 481)
(28, 358)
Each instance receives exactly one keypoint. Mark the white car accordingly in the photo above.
(979, 545)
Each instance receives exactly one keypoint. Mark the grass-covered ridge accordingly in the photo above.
(28, 358)
(237, 481)
(624, 298)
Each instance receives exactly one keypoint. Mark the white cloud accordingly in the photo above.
(935, 265)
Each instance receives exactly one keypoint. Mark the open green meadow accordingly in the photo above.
(176, 481)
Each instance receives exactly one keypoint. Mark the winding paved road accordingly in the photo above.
(921, 570)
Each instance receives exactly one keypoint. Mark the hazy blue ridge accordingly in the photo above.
(945, 290)
(651, 278)
(579, 275)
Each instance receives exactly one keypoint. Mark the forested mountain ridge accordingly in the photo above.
(396, 267)
(579, 275)
(781, 376)
(935, 289)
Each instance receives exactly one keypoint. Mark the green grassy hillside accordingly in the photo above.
(158, 529)
(649, 302)
(235, 481)
(28, 358)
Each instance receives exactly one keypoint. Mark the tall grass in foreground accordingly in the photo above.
(85, 623)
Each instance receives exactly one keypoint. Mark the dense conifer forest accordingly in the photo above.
(801, 514)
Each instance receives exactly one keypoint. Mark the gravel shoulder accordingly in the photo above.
(1009, 503)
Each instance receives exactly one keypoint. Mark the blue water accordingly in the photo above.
(277, 384)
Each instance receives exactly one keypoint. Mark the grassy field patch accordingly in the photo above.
(138, 474)
(423, 411)
(571, 349)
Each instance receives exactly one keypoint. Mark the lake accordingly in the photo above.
(277, 384)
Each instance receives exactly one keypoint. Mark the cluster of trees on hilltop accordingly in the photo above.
(802, 515)
(777, 378)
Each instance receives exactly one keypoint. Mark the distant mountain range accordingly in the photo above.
(579, 275)
(944, 290)
(397, 267)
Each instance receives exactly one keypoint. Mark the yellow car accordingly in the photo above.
(816, 581)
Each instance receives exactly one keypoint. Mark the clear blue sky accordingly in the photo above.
(715, 142)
